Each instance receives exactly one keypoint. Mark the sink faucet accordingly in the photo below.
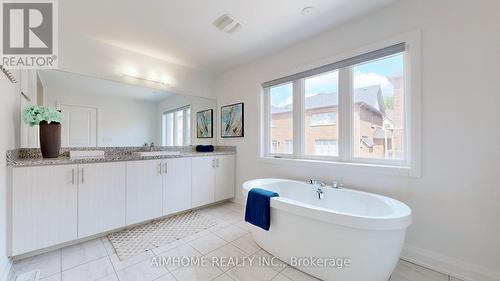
(316, 182)
(151, 145)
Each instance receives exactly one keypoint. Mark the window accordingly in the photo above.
(288, 146)
(378, 108)
(321, 93)
(176, 126)
(281, 113)
(353, 110)
(326, 118)
(326, 147)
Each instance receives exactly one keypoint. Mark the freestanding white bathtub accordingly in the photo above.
(321, 236)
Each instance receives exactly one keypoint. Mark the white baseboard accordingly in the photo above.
(448, 265)
(4, 275)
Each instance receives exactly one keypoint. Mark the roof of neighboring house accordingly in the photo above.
(370, 96)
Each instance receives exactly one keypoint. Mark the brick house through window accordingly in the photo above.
(377, 130)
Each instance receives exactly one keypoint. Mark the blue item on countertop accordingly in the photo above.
(205, 148)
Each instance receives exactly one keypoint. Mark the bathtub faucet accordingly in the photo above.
(320, 193)
(316, 182)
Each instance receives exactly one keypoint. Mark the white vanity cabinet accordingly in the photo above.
(144, 190)
(176, 185)
(55, 204)
(224, 177)
(203, 181)
(212, 179)
(101, 197)
(43, 207)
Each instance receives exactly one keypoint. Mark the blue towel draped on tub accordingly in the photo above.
(258, 209)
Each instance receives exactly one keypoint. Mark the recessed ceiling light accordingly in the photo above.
(307, 10)
(227, 24)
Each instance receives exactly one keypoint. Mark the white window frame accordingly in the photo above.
(186, 127)
(412, 164)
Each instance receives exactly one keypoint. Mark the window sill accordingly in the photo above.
(363, 167)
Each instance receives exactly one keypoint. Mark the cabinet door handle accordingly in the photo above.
(73, 176)
(165, 168)
(217, 163)
(159, 169)
(213, 163)
(83, 176)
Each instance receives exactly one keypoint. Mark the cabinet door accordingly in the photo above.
(203, 181)
(224, 178)
(44, 207)
(101, 197)
(176, 185)
(144, 190)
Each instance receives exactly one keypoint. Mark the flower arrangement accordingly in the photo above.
(33, 115)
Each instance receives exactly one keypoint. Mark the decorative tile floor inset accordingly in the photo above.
(135, 241)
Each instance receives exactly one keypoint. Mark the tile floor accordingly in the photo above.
(96, 259)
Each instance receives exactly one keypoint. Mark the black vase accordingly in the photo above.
(50, 139)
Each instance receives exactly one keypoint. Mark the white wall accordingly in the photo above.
(456, 201)
(120, 121)
(9, 139)
(197, 104)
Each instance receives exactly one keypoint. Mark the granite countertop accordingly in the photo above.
(16, 159)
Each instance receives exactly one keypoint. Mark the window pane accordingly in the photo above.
(169, 129)
(281, 131)
(179, 122)
(321, 104)
(378, 110)
(187, 123)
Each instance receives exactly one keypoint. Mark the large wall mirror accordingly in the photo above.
(104, 113)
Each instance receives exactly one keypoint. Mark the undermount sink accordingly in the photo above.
(155, 153)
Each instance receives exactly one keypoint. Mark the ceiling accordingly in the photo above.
(181, 31)
(75, 84)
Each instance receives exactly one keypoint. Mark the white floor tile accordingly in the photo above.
(220, 225)
(232, 217)
(297, 275)
(247, 244)
(207, 243)
(245, 225)
(196, 236)
(122, 264)
(230, 233)
(90, 271)
(55, 277)
(49, 264)
(406, 271)
(281, 277)
(196, 273)
(226, 256)
(82, 253)
(111, 277)
(143, 271)
(252, 272)
(185, 251)
(276, 263)
(223, 277)
(168, 277)
(108, 246)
